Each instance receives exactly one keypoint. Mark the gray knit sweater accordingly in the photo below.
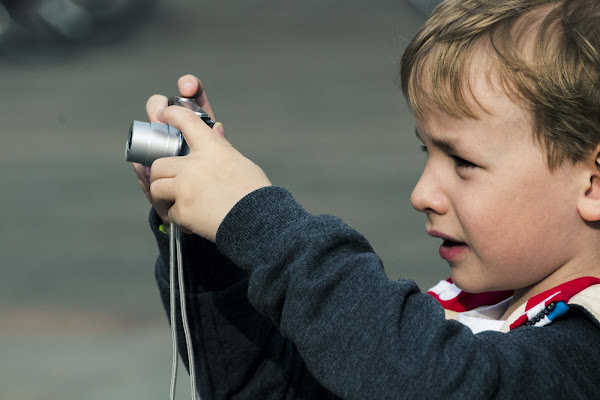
(289, 305)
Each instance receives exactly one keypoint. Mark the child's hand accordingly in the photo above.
(204, 185)
(191, 87)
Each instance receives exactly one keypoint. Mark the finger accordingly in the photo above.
(163, 190)
(162, 209)
(141, 173)
(163, 168)
(219, 129)
(175, 216)
(191, 87)
(194, 130)
(154, 105)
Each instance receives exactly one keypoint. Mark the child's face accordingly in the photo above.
(486, 185)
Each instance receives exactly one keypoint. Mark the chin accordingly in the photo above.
(471, 285)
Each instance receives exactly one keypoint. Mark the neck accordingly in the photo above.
(561, 275)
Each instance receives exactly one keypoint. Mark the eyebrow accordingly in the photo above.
(450, 146)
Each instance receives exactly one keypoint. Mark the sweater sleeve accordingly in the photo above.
(365, 337)
(239, 353)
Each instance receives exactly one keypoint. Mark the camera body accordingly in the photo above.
(148, 141)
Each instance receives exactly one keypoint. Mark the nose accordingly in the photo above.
(428, 195)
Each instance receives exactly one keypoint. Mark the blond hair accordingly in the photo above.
(546, 55)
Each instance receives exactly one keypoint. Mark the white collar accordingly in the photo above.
(485, 318)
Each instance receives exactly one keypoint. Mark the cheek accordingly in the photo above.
(520, 226)
(497, 231)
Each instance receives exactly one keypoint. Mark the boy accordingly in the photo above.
(287, 305)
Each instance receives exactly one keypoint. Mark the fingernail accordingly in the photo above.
(186, 85)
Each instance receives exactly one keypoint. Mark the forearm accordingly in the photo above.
(321, 283)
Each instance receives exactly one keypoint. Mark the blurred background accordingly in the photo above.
(308, 90)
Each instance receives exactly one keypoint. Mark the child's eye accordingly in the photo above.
(458, 162)
(462, 163)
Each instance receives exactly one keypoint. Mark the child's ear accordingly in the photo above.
(589, 204)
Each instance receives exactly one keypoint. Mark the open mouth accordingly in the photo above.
(451, 250)
(451, 243)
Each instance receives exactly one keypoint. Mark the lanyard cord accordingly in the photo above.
(175, 256)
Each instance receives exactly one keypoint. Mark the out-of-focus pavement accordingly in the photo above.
(306, 90)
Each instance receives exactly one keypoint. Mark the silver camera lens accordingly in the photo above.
(149, 141)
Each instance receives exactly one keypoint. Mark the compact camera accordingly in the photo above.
(148, 141)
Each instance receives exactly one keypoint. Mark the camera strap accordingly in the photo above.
(175, 257)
